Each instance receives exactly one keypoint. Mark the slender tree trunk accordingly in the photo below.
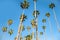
(36, 20)
(51, 31)
(33, 35)
(57, 24)
(19, 31)
(19, 28)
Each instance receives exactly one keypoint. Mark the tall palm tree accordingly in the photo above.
(34, 22)
(35, 14)
(24, 5)
(52, 6)
(51, 31)
(21, 27)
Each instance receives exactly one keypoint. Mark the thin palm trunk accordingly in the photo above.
(19, 31)
(51, 31)
(33, 35)
(19, 28)
(57, 24)
(36, 20)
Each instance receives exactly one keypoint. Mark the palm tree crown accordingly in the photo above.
(48, 14)
(33, 22)
(23, 17)
(52, 5)
(10, 31)
(44, 27)
(43, 20)
(36, 12)
(4, 29)
(24, 4)
(10, 21)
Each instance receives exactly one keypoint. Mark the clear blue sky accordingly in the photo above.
(10, 9)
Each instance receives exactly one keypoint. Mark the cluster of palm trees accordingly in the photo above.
(25, 5)
(6, 29)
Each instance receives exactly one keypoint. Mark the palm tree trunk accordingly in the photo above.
(33, 35)
(51, 31)
(19, 31)
(36, 21)
(19, 28)
(57, 24)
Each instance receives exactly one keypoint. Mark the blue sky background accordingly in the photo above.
(10, 9)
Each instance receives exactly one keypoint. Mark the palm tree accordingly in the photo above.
(10, 21)
(44, 20)
(21, 27)
(52, 5)
(35, 14)
(25, 4)
(4, 29)
(48, 15)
